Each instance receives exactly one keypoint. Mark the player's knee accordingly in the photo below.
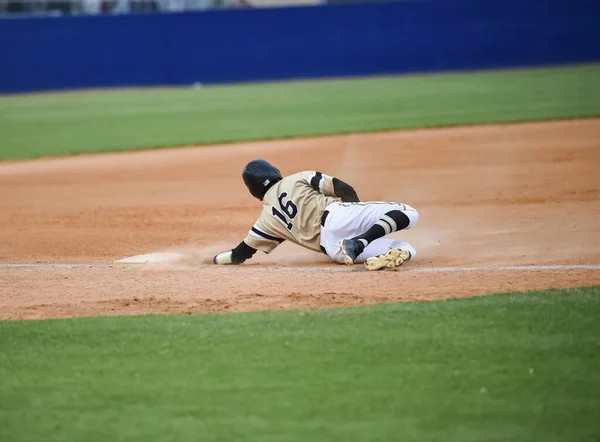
(412, 215)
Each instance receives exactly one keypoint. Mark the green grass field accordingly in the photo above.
(519, 367)
(58, 124)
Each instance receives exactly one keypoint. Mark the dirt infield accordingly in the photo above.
(507, 195)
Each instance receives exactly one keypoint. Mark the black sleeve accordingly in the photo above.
(241, 253)
(345, 191)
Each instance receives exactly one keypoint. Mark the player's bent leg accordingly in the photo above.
(392, 217)
(386, 254)
(351, 227)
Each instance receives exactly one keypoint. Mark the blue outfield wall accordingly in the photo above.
(265, 44)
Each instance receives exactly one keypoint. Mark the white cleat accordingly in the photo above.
(393, 258)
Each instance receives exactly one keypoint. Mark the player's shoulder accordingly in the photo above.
(311, 178)
(304, 175)
(294, 179)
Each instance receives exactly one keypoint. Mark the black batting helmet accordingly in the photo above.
(259, 176)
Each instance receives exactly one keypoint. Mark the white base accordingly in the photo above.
(152, 258)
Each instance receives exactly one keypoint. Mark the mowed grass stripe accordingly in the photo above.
(101, 121)
(507, 367)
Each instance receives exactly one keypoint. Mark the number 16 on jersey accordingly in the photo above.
(288, 212)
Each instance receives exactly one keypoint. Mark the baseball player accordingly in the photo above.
(323, 214)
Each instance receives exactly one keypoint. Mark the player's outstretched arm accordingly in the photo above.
(235, 256)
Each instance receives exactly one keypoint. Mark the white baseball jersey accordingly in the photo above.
(292, 211)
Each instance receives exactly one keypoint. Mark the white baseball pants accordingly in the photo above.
(347, 220)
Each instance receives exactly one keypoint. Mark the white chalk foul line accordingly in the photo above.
(506, 268)
(57, 266)
(450, 269)
(343, 268)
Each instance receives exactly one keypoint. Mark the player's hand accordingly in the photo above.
(224, 258)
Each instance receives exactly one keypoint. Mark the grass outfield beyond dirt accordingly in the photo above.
(58, 124)
(519, 367)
